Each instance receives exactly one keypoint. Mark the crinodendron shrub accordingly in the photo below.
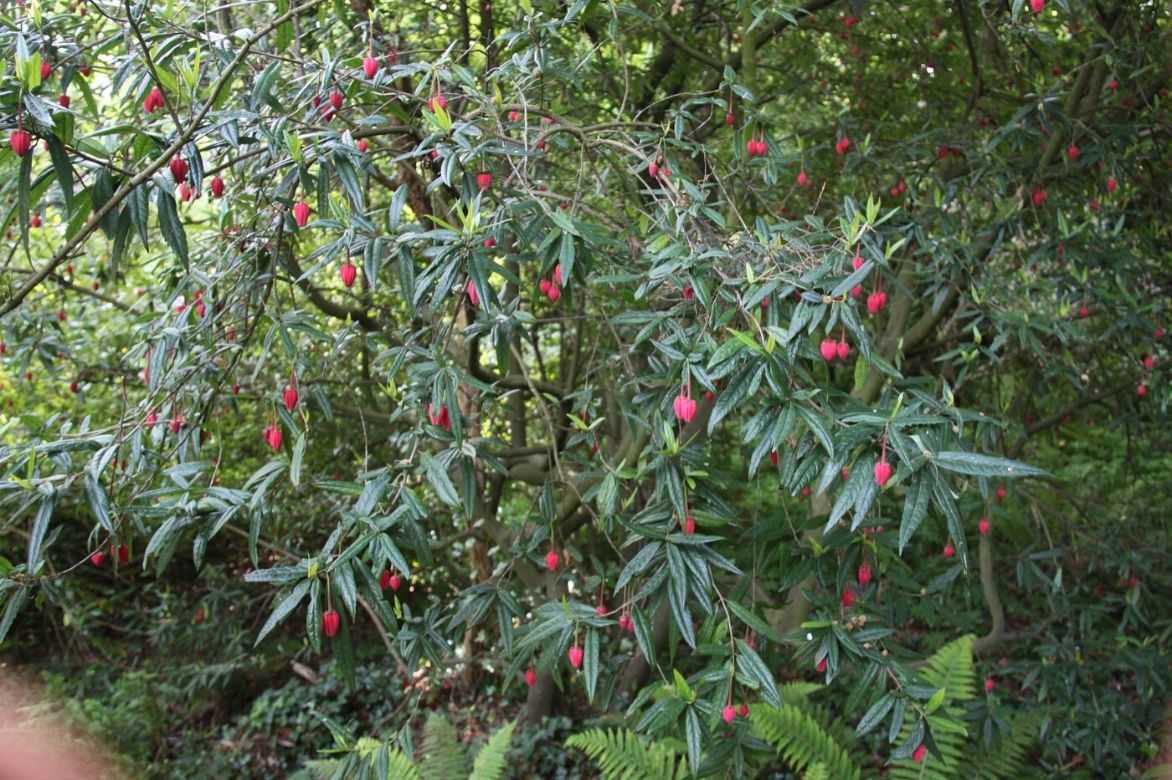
(644, 355)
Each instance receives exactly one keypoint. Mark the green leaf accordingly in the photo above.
(343, 578)
(875, 715)
(818, 427)
(751, 665)
(677, 593)
(638, 564)
(170, 225)
(438, 477)
(692, 721)
(40, 528)
(62, 168)
(749, 618)
(915, 509)
(591, 663)
(944, 500)
(298, 455)
(985, 466)
(287, 605)
(12, 609)
(643, 635)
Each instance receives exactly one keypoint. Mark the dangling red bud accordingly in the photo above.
(330, 622)
(301, 213)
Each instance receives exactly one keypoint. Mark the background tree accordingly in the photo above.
(649, 355)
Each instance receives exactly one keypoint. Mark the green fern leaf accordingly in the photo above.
(400, 767)
(1006, 759)
(951, 669)
(802, 741)
(622, 755)
(323, 769)
(443, 756)
(490, 761)
(817, 772)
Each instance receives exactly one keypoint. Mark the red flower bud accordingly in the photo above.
(440, 417)
(983, 526)
(97, 557)
(883, 471)
(330, 622)
(473, 296)
(348, 273)
(552, 559)
(178, 168)
(301, 213)
(290, 397)
(483, 180)
(864, 575)
(684, 407)
(949, 550)
(154, 100)
(20, 142)
(531, 677)
(575, 656)
(217, 187)
(370, 66)
(729, 713)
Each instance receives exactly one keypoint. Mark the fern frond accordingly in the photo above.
(1006, 759)
(802, 741)
(797, 692)
(490, 761)
(949, 668)
(323, 769)
(622, 755)
(399, 766)
(817, 772)
(443, 756)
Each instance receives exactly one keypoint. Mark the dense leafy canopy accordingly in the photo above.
(647, 353)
